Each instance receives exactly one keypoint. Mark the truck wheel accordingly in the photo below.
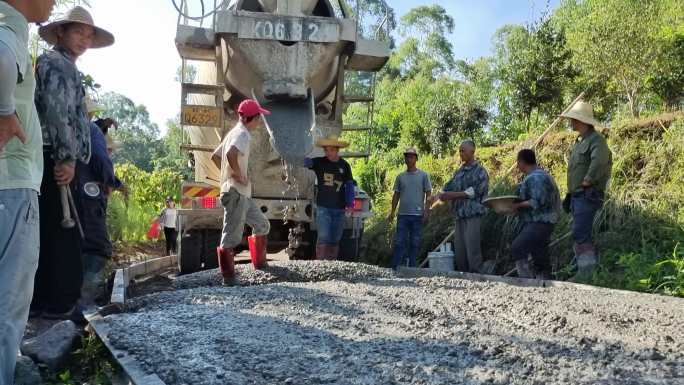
(190, 252)
(350, 248)
(212, 239)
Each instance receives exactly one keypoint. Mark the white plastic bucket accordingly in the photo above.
(441, 261)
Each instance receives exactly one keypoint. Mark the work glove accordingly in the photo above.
(470, 192)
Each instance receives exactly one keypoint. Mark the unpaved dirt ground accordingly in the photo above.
(379, 329)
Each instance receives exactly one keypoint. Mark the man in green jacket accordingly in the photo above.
(588, 174)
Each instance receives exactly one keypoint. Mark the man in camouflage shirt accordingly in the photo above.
(60, 101)
(538, 211)
(466, 190)
(589, 170)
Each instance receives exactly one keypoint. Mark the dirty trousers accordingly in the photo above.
(59, 277)
(467, 247)
(19, 248)
(239, 210)
(534, 240)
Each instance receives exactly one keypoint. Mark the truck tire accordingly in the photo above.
(190, 252)
(350, 248)
(211, 240)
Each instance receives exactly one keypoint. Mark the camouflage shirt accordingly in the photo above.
(60, 100)
(541, 191)
(475, 176)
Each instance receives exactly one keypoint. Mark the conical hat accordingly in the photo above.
(583, 112)
(78, 15)
(93, 107)
(331, 141)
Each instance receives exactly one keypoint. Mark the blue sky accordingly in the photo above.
(142, 64)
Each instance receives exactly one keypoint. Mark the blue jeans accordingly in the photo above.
(409, 232)
(584, 205)
(19, 250)
(330, 224)
(534, 239)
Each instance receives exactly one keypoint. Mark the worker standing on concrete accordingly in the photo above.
(232, 157)
(95, 178)
(21, 170)
(466, 190)
(60, 100)
(589, 170)
(538, 211)
(412, 189)
(334, 196)
(167, 219)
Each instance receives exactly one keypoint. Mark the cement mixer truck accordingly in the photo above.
(292, 56)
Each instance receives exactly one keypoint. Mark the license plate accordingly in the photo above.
(202, 116)
(288, 29)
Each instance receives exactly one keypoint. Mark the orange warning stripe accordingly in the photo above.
(192, 192)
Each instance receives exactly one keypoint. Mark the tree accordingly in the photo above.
(426, 49)
(138, 136)
(613, 42)
(667, 81)
(533, 67)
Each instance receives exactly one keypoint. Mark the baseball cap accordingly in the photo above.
(250, 107)
(411, 151)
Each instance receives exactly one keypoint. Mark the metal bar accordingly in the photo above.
(197, 147)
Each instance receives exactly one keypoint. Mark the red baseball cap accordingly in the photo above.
(250, 107)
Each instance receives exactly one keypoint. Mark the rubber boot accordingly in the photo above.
(333, 252)
(226, 261)
(523, 267)
(257, 250)
(321, 252)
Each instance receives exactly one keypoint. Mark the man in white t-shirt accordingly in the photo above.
(232, 157)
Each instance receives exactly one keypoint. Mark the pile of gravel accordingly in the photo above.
(383, 330)
(291, 271)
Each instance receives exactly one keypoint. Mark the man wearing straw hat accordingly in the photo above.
(466, 190)
(94, 180)
(21, 170)
(60, 101)
(334, 196)
(589, 169)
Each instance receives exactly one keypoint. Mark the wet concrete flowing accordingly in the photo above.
(341, 323)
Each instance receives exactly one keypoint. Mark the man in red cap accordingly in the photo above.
(232, 157)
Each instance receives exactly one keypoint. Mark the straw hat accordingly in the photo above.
(111, 144)
(92, 107)
(583, 112)
(502, 204)
(331, 141)
(78, 15)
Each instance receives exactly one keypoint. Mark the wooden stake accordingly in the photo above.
(551, 127)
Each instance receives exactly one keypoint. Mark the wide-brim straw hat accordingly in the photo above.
(78, 15)
(331, 141)
(583, 112)
(502, 204)
(93, 107)
(111, 143)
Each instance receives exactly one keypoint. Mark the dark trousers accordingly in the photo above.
(534, 239)
(407, 239)
(584, 205)
(59, 277)
(170, 235)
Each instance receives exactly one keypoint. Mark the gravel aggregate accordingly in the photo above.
(341, 323)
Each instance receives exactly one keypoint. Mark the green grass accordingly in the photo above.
(638, 231)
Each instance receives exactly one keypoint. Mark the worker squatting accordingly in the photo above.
(56, 174)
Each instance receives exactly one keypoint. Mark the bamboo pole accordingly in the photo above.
(551, 127)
